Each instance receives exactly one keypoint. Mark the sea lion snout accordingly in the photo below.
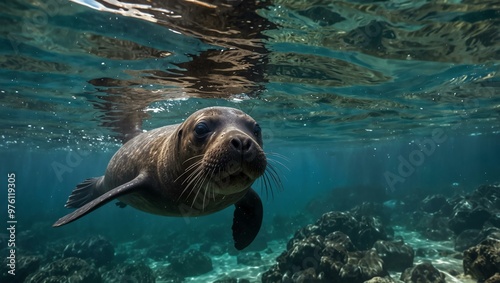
(242, 144)
(236, 161)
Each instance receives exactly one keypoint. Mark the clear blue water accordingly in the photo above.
(345, 90)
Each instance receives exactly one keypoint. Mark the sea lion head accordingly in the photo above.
(221, 151)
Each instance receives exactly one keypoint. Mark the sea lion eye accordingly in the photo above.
(201, 129)
(257, 130)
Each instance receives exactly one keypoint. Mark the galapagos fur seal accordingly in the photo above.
(198, 167)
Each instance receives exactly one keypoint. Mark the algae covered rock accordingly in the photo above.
(96, 248)
(424, 272)
(483, 261)
(318, 259)
(25, 265)
(74, 270)
(137, 272)
(336, 248)
(397, 256)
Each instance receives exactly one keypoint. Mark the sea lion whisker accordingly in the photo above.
(275, 154)
(193, 188)
(278, 163)
(197, 163)
(196, 168)
(190, 179)
(275, 166)
(193, 178)
(206, 187)
(193, 157)
(189, 168)
(270, 186)
(275, 177)
(205, 194)
(201, 177)
(211, 177)
(266, 183)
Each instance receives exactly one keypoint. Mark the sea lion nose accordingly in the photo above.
(241, 144)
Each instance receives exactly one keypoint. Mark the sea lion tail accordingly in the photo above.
(83, 193)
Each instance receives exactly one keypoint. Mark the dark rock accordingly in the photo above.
(397, 256)
(96, 248)
(339, 241)
(434, 203)
(327, 251)
(363, 230)
(467, 239)
(424, 272)
(137, 272)
(362, 266)
(431, 226)
(483, 261)
(306, 252)
(273, 275)
(316, 260)
(370, 209)
(494, 220)
(331, 263)
(386, 279)
(370, 230)
(493, 279)
(331, 222)
(466, 219)
(74, 270)
(487, 196)
(493, 233)
(24, 266)
(336, 221)
(307, 276)
(191, 263)
(437, 234)
(249, 259)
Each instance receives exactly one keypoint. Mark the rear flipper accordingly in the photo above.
(247, 219)
(83, 193)
(92, 204)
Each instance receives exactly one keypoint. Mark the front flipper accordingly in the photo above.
(136, 184)
(247, 219)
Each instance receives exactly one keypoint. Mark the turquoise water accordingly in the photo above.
(398, 96)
